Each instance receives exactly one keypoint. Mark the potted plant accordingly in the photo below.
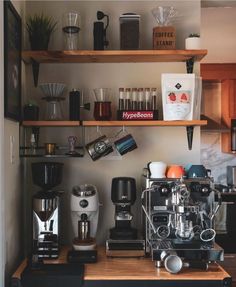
(193, 42)
(40, 28)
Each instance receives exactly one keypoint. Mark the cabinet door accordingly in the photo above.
(228, 101)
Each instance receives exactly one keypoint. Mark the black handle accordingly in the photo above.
(198, 265)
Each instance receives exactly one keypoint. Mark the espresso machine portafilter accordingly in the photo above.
(46, 205)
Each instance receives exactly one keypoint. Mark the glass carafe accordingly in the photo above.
(53, 110)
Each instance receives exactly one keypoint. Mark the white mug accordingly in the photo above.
(157, 169)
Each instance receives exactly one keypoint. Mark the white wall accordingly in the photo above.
(12, 190)
(218, 34)
(167, 144)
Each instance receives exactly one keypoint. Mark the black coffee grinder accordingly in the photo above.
(99, 32)
(123, 195)
(123, 240)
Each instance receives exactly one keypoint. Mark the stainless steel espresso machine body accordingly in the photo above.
(178, 222)
(46, 210)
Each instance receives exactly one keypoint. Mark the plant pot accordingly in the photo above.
(193, 43)
(31, 113)
(39, 42)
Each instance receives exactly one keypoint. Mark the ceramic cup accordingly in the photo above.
(125, 144)
(197, 171)
(157, 169)
(175, 171)
(99, 147)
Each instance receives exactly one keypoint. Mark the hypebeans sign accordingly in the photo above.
(138, 115)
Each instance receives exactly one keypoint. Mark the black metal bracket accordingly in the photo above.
(190, 136)
(35, 70)
(190, 65)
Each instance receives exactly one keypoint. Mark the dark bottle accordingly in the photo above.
(74, 104)
(127, 99)
(233, 135)
(121, 99)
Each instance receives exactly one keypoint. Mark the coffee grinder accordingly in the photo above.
(84, 214)
(46, 205)
(123, 237)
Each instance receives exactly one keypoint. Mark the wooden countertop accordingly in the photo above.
(133, 269)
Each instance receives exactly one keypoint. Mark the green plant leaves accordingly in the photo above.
(40, 28)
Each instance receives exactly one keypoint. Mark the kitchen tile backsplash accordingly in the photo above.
(213, 158)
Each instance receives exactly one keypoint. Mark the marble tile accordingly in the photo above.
(213, 158)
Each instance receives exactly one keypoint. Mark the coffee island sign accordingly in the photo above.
(164, 38)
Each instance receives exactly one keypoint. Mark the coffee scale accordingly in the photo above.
(124, 240)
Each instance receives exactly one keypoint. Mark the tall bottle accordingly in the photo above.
(140, 99)
(121, 99)
(154, 99)
(134, 99)
(147, 99)
(127, 99)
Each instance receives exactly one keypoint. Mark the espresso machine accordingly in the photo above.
(178, 221)
(124, 240)
(84, 214)
(46, 208)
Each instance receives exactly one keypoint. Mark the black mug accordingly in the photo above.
(99, 147)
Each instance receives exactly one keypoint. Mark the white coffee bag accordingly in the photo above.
(181, 94)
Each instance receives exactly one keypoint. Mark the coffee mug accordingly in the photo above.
(99, 147)
(197, 171)
(125, 144)
(175, 171)
(157, 169)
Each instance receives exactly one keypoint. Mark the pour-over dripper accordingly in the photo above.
(52, 89)
(164, 15)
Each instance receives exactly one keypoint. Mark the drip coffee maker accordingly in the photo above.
(84, 214)
(46, 205)
(123, 237)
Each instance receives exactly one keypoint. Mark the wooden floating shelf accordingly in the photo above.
(112, 123)
(51, 123)
(112, 56)
(145, 123)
